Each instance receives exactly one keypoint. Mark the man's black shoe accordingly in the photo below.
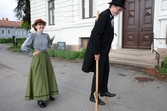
(100, 102)
(41, 104)
(108, 94)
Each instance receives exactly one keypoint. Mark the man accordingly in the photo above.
(99, 46)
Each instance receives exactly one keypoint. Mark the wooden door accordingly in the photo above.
(138, 24)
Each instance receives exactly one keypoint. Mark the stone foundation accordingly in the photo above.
(162, 52)
(68, 47)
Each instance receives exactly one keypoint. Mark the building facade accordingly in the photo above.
(8, 29)
(142, 25)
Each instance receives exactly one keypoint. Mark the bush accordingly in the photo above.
(82, 53)
(16, 49)
(10, 40)
(66, 54)
(60, 53)
(51, 52)
(71, 55)
(51, 40)
(6, 40)
(20, 40)
(163, 69)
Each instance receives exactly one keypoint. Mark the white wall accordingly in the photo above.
(160, 23)
(70, 35)
(39, 9)
(70, 26)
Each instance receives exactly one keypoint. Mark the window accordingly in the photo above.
(8, 32)
(89, 8)
(51, 9)
(19, 32)
(3, 32)
(15, 32)
(24, 32)
(84, 42)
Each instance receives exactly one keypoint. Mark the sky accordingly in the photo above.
(6, 9)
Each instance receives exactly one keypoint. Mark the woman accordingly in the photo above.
(41, 83)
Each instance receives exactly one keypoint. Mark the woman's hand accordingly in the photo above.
(36, 52)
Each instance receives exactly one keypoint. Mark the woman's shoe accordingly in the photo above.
(52, 98)
(41, 104)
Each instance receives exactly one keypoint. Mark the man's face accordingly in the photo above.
(116, 10)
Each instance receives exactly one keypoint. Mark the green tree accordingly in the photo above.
(22, 12)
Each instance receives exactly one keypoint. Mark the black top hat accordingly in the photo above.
(118, 2)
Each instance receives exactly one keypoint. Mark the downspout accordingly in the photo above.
(157, 54)
(153, 50)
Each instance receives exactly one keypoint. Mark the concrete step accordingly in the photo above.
(132, 51)
(136, 64)
(134, 57)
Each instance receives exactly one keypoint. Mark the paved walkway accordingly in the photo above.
(74, 87)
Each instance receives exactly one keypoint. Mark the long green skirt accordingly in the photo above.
(41, 80)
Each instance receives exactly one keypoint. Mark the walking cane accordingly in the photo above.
(96, 92)
(97, 77)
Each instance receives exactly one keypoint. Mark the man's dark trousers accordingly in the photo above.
(103, 75)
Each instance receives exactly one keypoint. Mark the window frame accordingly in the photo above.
(9, 32)
(51, 18)
(24, 32)
(15, 32)
(91, 10)
(3, 32)
(19, 32)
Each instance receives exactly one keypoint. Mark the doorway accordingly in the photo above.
(138, 24)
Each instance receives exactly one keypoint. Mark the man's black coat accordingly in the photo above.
(99, 42)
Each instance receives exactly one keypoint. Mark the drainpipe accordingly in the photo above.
(153, 50)
(157, 54)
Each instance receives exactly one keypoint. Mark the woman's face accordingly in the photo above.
(40, 27)
(116, 10)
